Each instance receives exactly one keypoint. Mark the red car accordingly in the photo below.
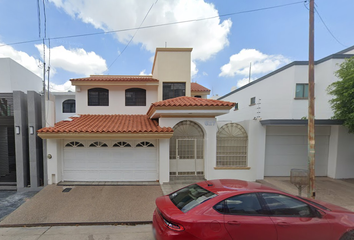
(233, 209)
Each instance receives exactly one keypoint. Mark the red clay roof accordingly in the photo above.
(88, 123)
(117, 78)
(195, 87)
(192, 102)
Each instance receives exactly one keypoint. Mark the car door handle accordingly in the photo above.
(233, 223)
(283, 224)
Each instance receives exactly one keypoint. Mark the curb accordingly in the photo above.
(77, 224)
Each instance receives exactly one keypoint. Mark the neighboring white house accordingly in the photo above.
(21, 160)
(273, 111)
(138, 128)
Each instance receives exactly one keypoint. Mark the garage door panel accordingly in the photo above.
(110, 164)
(286, 152)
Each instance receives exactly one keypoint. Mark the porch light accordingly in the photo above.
(17, 130)
(31, 130)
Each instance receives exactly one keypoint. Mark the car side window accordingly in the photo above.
(245, 204)
(281, 205)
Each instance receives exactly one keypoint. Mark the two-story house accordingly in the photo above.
(137, 128)
(273, 110)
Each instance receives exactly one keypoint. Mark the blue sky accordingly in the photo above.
(223, 47)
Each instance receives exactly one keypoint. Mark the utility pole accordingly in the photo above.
(311, 109)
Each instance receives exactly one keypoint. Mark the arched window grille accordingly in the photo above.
(232, 145)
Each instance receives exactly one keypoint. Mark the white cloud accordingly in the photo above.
(206, 37)
(22, 58)
(261, 63)
(144, 73)
(244, 81)
(194, 69)
(61, 87)
(74, 60)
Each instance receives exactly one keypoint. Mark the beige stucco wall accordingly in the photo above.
(172, 65)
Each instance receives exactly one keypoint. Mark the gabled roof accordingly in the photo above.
(339, 55)
(195, 87)
(111, 79)
(194, 106)
(106, 124)
(192, 102)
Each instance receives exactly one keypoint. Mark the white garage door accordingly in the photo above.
(287, 148)
(110, 161)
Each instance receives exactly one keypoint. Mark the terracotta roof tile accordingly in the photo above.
(117, 78)
(195, 87)
(192, 102)
(88, 123)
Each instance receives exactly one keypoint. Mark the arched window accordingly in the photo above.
(74, 144)
(69, 106)
(135, 97)
(98, 97)
(145, 144)
(121, 144)
(98, 144)
(231, 143)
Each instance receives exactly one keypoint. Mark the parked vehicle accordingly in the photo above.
(234, 209)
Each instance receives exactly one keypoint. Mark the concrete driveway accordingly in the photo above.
(87, 204)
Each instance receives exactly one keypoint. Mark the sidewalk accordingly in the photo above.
(338, 192)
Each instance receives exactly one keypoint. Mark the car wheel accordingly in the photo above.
(348, 236)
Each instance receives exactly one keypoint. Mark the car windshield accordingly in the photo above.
(189, 197)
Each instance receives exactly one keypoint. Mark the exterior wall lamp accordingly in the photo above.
(31, 130)
(17, 130)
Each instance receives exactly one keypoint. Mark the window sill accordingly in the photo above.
(301, 98)
(232, 168)
(252, 104)
(235, 109)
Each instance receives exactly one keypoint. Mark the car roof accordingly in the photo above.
(224, 186)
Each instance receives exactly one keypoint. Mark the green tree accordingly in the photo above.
(342, 102)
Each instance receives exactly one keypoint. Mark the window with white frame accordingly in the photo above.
(232, 144)
(302, 90)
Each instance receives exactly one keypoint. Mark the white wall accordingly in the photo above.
(15, 77)
(275, 95)
(60, 97)
(345, 154)
(116, 101)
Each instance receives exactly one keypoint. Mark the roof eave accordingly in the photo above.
(147, 135)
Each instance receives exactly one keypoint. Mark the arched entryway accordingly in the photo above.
(187, 150)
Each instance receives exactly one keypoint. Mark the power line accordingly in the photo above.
(159, 25)
(131, 39)
(39, 18)
(330, 32)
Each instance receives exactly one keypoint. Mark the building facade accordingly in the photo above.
(273, 111)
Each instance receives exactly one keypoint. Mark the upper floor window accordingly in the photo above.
(172, 90)
(98, 97)
(198, 96)
(236, 107)
(253, 101)
(135, 97)
(302, 90)
(69, 106)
